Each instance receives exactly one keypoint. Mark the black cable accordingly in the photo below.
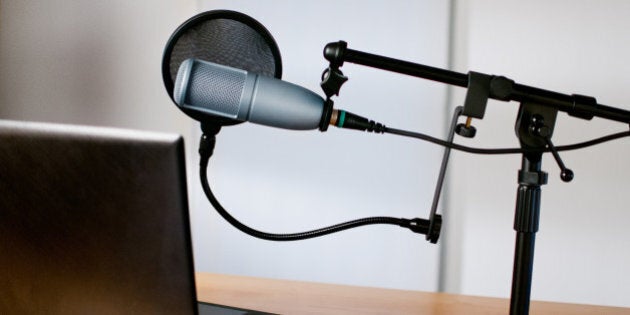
(205, 149)
(593, 142)
(455, 146)
(344, 119)
(447, 144)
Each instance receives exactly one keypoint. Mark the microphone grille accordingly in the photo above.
(216, 89)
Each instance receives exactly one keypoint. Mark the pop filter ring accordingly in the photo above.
(197, 20)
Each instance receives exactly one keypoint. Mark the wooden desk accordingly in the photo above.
(294, 297)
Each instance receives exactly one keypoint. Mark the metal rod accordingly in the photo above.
(522, 273)
(526, 218)
(338, 52)
(405, 67)
(440, 181)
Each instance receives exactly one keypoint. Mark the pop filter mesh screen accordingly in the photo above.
(227, 42)
(223, 37)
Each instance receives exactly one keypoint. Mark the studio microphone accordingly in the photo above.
(207, 88)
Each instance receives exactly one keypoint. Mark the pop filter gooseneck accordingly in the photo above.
(224, 37)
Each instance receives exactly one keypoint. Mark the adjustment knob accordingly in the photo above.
(466, 131)
(566, 175)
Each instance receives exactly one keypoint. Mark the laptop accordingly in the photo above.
(95, 221)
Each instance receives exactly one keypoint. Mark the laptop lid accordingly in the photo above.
(93, 221)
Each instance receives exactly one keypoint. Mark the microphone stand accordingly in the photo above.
(534, 129)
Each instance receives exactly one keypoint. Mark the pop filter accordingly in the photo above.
(224, 37)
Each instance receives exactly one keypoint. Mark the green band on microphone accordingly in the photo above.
(342, 118)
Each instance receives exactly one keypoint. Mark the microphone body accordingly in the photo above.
(206, 88)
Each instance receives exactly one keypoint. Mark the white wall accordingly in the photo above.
(581, 250)
(286, 181)
(89, 62)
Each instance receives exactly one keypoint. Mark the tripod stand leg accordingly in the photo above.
(526, 220)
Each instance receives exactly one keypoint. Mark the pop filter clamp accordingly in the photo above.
(534, 128)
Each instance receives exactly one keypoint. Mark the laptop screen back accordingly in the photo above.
(93, 221)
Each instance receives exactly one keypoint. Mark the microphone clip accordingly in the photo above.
(332, 77)
(332, 80)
